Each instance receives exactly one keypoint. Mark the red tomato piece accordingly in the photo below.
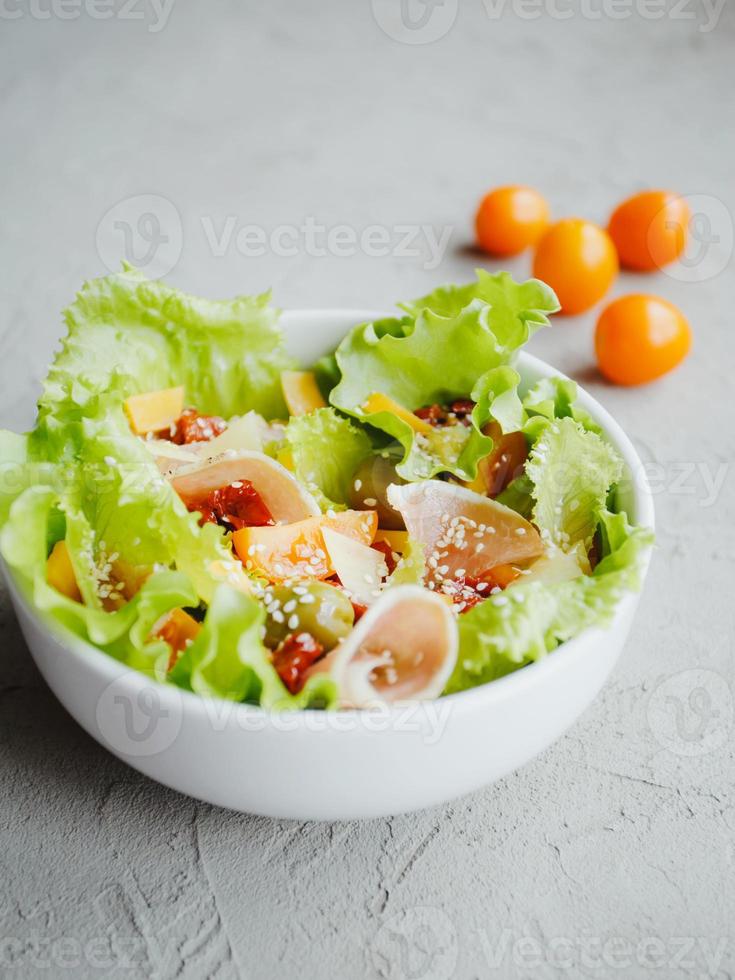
(294, 657)
(190, 426)
(233, 507)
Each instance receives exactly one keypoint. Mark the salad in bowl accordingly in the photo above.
(401, 520)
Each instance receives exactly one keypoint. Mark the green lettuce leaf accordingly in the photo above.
(529, 620)
(326, 449)
(547, 400)
(554, 398)
(117, 502)
(129, 334)
(571, 471)
(446, 347)
(420, 368)
(517, 310)
(124, 633)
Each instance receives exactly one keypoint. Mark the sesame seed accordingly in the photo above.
(370, 501)
(289, 606)
(520, 531)
(293, 622)
(357, 484)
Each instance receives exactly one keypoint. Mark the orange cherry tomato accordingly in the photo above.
(510, 219)
(578, 260)
(639, 338)
(649, 229)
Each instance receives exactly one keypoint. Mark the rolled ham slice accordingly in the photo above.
(403, 648)
(463, 532)
(281, 493)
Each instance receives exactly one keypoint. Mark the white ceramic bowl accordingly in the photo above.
(320, 765)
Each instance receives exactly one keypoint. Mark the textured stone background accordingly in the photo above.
(613, 854)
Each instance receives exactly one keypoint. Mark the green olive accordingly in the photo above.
(368, 490)
(311, 607)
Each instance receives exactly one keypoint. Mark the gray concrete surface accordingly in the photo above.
(612, 855)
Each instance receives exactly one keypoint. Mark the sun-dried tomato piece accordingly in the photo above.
(387, 552)
(232, 507)
(294, 657)
(458, 413)
(433, 414)
(468, 591)
(358, 609)
(193, 427)
(462, 409)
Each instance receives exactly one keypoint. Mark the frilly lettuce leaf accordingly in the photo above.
(130, 334)
(554, 398)
(529, 620)
(549, 399)
(517, 309)
(496, 399)
(571, 471)
(123, 633)
(326, 449)
(117, 502)
(432, 359)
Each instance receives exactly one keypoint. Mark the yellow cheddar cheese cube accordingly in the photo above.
(178, 629)
(60, 572)
(301, 392)
(396, 540)
(382, 403)
(154, 410)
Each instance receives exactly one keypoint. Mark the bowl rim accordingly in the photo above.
(562, 657)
